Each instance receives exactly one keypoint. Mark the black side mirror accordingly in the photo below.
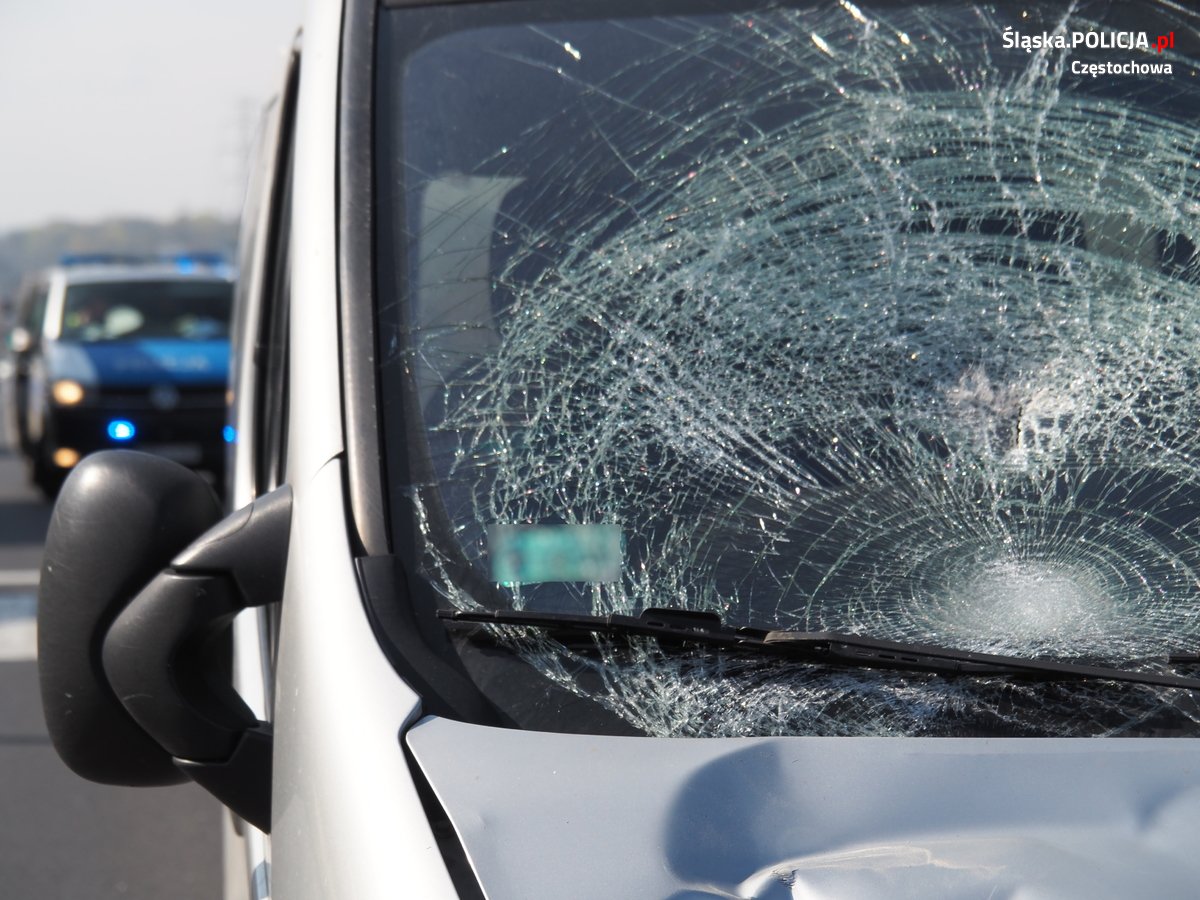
(140, 580)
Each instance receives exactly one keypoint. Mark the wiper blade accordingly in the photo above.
(850, 649)
(828, 647)
(672, 624)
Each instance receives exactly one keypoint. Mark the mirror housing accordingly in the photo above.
(135, 678)
(120, 518)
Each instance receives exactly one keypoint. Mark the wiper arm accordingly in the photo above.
(827, 647)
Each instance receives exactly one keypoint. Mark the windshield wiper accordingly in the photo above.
(828, 647)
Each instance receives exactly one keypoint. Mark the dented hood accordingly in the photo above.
(552, 815)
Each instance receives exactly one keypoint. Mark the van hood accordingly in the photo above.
(132, 363)
(553, 815)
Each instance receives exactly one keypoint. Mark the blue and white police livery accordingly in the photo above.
(116, 352)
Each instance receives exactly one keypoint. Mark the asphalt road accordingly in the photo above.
(61, 836)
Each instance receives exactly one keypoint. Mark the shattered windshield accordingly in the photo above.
(868, 318)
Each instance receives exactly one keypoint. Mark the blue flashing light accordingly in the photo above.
(121, 430)
(229, 433)
(194, 261)
(185, 263)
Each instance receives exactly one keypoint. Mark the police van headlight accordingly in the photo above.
(67, 392)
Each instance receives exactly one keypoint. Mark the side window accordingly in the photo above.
(37, 307)
(272, 352)
(32, 312)
(271, 342)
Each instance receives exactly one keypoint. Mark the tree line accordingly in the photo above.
(30, 249)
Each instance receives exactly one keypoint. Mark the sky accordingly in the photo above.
(133, 107)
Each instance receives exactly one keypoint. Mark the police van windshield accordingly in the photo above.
(866, 318)
(136, 310)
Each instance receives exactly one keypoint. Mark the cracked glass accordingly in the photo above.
(875, 318)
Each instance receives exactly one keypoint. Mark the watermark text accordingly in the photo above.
(1092, 40)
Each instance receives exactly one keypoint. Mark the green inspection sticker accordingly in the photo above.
(531, 554)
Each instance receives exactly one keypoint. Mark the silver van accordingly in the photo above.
(684, 450)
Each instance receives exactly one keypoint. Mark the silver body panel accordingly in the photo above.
(346, 818)
(551, 815)
(347, 821)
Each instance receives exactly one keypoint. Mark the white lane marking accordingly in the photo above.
(26, 578)
(6, 368)
(18, 627)
(18, 640)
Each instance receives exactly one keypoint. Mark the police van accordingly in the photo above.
(681, 449)
(113, 351)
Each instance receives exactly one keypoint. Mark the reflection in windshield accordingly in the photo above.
(850, 320)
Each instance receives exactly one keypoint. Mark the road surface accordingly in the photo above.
(62, 838)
